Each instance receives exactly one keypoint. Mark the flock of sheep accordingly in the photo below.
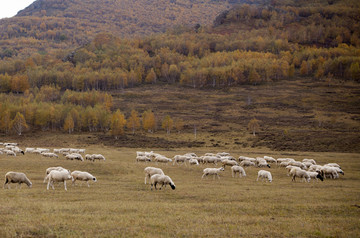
(53, 174)
(305, 170)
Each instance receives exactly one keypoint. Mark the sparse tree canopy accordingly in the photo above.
(253, 125)
(167, 124)
(19, 123)
(69, 124)
(118, 123)
(133, 121)
(148, 121)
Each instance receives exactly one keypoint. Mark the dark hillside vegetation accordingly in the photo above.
(291, 65)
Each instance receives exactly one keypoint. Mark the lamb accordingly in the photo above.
(296, 172)
(16, 177)
(161, 179)
(58, 176)
(82, 176)
(238, 169)
(315, 175)
(229, 162)
(263, 174)
(212, 171)
(48, 170)
(193, 161)
(150, 171)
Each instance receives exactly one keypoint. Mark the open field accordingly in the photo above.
(121, 205)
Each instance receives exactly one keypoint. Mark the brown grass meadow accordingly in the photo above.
(121, 205)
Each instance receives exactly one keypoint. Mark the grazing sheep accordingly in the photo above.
(263, 174)
(162, 159)
(289, 167)
(49, 154)
(75, 156)
(9, 152)
(210, 159)
(16, 177)
(309, 161)
(238, 169)
(29, 150)
(270, 159)
(261, 162)
(242, 158)
(161, 179)
(181, 158)
(142, 159)
(58, 176)
(297, 172)
(89, 157)
(315, 175)
(333, 165)
(193, 161)
(42, 150)
(98, 157)
(314, 168)
(247, 163)
(82, 176)
(212, 171)
(298, 164)
(229, 162)
(17, 150)
(48, 170)
(150, 171)
(284, 164)
(329, 172)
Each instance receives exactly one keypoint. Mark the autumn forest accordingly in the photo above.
(53, 78)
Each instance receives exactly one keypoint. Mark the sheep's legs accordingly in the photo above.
(65, 185)
(218, 176)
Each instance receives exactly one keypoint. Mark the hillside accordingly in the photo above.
(52, 24)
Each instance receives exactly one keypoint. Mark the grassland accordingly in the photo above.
(121, 205)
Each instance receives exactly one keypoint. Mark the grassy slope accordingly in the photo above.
(119, 204)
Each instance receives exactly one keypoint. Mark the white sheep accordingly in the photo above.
(314, 168)
(75, 156)
(16, 177)
(228, 162)
(247, 163)
(48, 170)
(49, 154)
(9, 152)
(263, 174)
(315, 175)
(243, 158)
(297, 172)
(210, 159)
(329, 172)
(261, 162)
(98, 157)
(162, 159)
(212, 171)
(142, 158)
(270, 159)
(332, 165)
(298, 164)
(193, 161)
(29, 150)
(238, 169)
(150, 171)
(58, 176)
(161, 179)
(181, 158)
(309, 161)
(82, 176)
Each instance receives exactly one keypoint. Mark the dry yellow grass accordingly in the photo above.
(121, 205)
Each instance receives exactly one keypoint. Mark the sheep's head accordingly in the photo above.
(319, 176)
(30, 185)
(268, 165)
(94, 179)
(172, 186)
(222, 169)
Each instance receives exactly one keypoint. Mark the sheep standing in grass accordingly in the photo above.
(150, 171)
(161, 179)
(329, 172)
(16, 177)
(237, 169)
(180, 158)
(315, 175)
(247, 163)
(48, 170)
(10, 153)
(98, 157)
(297, 172)
(228, 162)
(193, 161)
(82, 176)
(263, 174)
(142, 158)
(58, 176)
(162, 159)
(212, 171)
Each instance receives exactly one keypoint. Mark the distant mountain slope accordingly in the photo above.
(48, 24)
